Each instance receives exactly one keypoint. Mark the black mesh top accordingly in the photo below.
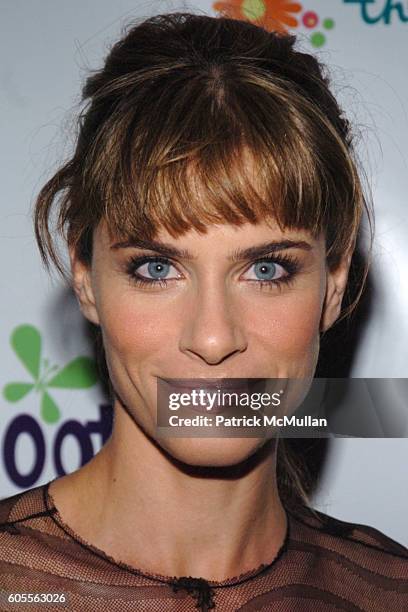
(324, 565)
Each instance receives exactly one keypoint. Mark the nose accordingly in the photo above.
(212, 329)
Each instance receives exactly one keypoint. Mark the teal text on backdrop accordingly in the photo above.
(373, 12)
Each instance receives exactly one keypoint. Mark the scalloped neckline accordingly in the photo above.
(229, 582)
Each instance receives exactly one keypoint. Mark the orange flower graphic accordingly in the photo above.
(277, 15)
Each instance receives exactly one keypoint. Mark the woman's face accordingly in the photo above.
(237, 302)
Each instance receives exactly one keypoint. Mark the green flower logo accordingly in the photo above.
(80, 373)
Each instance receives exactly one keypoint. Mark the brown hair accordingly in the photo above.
(170, 122)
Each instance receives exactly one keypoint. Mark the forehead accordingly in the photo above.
(218, 238)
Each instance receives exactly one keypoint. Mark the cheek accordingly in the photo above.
(288, 326)
(298, 323)
(134, 325)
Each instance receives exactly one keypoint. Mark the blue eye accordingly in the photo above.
(150, 270)
(158, 269)
(267, 271)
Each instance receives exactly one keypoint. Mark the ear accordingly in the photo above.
(82, 285)
(335, 287)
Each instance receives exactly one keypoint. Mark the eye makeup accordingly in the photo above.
(289, 264)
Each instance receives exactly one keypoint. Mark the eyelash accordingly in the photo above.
(290, 263)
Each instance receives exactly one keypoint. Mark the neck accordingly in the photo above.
(148, 510)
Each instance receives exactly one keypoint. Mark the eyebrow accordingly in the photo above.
(253, 252)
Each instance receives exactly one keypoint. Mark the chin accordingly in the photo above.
(211, 452)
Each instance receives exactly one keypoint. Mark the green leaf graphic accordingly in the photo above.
(80, 373)
(16, 391)
(26, 341)
(49, 409)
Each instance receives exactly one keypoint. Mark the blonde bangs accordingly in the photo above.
(240, 156)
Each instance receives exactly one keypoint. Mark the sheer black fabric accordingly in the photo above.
(324, 565)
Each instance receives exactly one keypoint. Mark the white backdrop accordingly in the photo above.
(47, 46)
